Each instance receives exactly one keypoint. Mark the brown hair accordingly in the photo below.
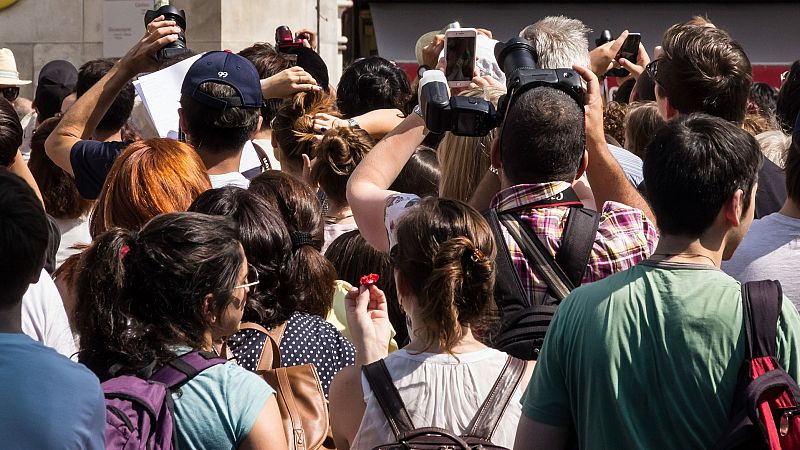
(268, 62)
(60, 195)
(756, 124)
(293, 125)
(641, 124)
(312, 275)
(703, 69)
(614, 120)
(336, 157)
(445, 254)
(149, 178)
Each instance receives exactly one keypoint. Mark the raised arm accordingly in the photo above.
(80, 121)
(378, 123)
(605, 176)
(367, 189)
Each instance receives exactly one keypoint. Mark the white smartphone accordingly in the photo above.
(459, 54)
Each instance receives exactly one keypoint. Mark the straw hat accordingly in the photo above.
(8, 70)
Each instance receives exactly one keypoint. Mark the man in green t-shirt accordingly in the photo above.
(649, 357)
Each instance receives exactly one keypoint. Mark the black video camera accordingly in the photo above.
(469, 116)
(169, 12)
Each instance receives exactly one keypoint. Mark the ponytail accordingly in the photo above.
(293, 126)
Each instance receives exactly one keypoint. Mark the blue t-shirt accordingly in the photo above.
(91, 161)
(217, 409)
(47, 400)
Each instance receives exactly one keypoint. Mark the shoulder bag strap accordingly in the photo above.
(270, 357)
(385, 392)
(577, 243)
(761, 302)
(262, 157)
(507, 276)
(185, 367)
(538, 256)
(491, 411)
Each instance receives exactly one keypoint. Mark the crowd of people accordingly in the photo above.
(576, 277)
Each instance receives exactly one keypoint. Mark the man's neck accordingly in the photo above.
(702, 250)
(108, 136)
(264, 134)
(11, 318)
(791, 209)
(220, 163)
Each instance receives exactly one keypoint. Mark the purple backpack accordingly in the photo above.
(139, 411)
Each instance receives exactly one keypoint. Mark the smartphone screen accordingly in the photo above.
(460, 57)
(630, 48)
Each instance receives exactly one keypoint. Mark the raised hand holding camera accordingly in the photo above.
(142, 56)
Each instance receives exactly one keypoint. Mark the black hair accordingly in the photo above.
(787, 105)
(218, 130)
(693, 166)
(420, 176)
(623, 93)
(764, 98)
(120, 110)
(542, 138)
(373, 83)
(266, 244)
(140, 294)
(23, 237)
(10, 133)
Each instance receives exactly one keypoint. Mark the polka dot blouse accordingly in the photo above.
(307, 339)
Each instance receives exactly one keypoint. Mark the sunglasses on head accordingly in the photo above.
(252, 279)
(10, 93)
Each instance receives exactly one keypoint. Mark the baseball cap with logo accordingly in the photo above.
(226, 68)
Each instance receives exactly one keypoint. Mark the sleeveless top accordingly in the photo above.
(307, 340)
(440, 391)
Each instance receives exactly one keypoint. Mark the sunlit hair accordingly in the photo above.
(149, 178)
(559, 41)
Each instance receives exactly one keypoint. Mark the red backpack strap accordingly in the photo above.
(761, 302)
(262, 157)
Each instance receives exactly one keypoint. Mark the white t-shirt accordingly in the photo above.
(73, 231)
(770, 251)
(48, 401)
(229, 179)
(334, 230)
(440, 391)
(44, 318)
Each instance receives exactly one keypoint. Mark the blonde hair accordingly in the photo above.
(464, 160)
(774, 145)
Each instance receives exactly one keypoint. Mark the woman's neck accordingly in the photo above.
(419, 342)
(338, 213)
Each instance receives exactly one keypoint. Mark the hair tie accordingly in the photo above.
(300, 238)
(123, 251)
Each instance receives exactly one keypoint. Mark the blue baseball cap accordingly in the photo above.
(226, 68)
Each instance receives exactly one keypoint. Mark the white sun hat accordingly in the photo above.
(9, 76)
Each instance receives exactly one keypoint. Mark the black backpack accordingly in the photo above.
(765, 413)
(522, 324)
(481, 428)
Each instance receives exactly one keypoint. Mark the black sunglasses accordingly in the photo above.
(10, 93)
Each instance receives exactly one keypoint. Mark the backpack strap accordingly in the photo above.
(270, 357)
(491, 411)
(185, 367)
(388, 398)
(577, 243)
(262, 157)
(761, 302)
(508, 286)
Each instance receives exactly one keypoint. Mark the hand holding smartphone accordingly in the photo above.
(459, 53)
(629, 51)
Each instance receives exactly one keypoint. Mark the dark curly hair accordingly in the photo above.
(373, 83)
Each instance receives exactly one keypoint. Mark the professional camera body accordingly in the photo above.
(468, 116)
(169, 12)
(285, 40)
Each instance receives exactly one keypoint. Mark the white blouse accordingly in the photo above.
(440, 391)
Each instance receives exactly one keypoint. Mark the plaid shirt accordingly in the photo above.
(625, 236)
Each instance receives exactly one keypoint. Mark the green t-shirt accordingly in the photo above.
(648, 358)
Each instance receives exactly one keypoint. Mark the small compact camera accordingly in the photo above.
(169, 12)
(285, 40)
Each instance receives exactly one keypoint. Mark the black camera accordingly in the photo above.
(169, 12)
(285, 40)
(468, 116)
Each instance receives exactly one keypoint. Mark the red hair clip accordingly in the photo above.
(370, 279)
(123, 251)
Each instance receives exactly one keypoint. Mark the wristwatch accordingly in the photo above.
(421, 69)
(352, 123)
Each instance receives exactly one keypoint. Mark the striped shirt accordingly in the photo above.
(624, 237)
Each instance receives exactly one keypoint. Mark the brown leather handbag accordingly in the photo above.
(302, 402)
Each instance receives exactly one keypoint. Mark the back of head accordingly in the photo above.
(60, 195)
(23, 238)
(614, 120)
(703, 69)
(336, 157)
(775, 145)
(119, 111)
(10, 133)
(372, 83)
(312, 275)
(763, 99)
(149, 178)
(787, 106)
(266, 244)
(465, 159)
(693, 166)
(559, 42)
(421, 175)
(268, 62)
(542, 138)
(642, 123)
(57, 80)
(444, 253)
(140, 294)
(293, 126)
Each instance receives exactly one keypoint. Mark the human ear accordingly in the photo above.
(209, 315)
(733, 209)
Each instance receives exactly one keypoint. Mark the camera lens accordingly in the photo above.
(515, 54)
(170, 13)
